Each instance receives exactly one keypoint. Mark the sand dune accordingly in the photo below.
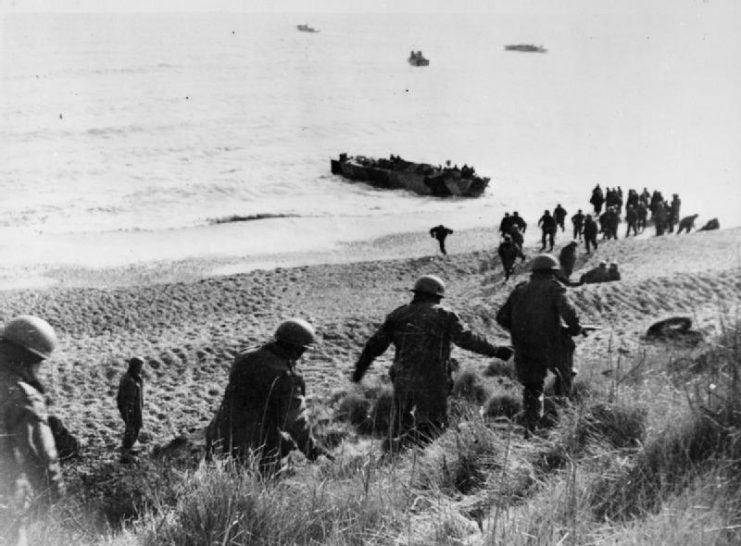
(189, 331)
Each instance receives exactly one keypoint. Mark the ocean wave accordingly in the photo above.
(248, 218)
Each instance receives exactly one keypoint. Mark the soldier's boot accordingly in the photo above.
(532, 407)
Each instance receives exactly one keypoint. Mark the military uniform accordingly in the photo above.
(509, 252)
(595, 275)
(534, 314)
(26, 446)
(567, 259)
(422, 333)
(130, 402)
(263, 411)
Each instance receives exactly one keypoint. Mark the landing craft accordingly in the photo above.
(421, 178)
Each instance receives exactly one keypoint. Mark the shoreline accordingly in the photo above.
(395, 246)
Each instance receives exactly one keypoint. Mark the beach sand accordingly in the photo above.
(188, 323)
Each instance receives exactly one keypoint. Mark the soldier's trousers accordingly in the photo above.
(130, 435)
(419, 415)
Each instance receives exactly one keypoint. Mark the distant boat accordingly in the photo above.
(417, 59)
(306, 28)
(422, 178)
(526, 48)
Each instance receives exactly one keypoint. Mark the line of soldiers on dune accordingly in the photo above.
(664, 215)
(263, 414)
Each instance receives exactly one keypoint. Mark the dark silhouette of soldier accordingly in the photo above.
(559, 213)
(548, 224)
(710, 225)
(505, 226)
(609, 221)
(578, 221)
(674, 209)
(687, 224)
(645, 197)
(633, 199)
(612, 272)
(660, 217)
(597, 199)
(440, 233)
(130, 402)
(509, 252)
(567, 259)
(519, 222)
(590, 233)
(596, 275)
(642, 212)
(631, 218)
(517, 237)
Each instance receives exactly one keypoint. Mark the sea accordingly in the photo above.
(134, 137)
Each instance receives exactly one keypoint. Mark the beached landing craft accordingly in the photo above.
(306, 28)
(422, 178)
(525, 48)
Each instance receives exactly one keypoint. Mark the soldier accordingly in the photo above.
(519, 222)
(517, 237)
(631, 218)
(508, 253)
(548, 224)
(596, 275)
(559, 213)
(590, 233)
(505, 226)
(263, 412)
(612, 273)
(567, 259)
(440, 233)
(674, 209)
(710, 225)
(534, 314)
(26, 442)
(687, 224)
(578, 222)
(422, 332)
(661, 218)
(642, 212)
(130, 402)
(597, 200)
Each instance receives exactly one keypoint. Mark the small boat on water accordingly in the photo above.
(417, 59)
(525, 48)
(306, 28)
(421, 178)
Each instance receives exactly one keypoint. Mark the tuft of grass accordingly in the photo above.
(469, 387)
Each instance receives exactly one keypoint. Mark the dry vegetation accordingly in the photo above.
(649, 452)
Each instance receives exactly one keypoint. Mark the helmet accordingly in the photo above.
(544, 262)
(32, 333)
(430, 284)
(296, 332)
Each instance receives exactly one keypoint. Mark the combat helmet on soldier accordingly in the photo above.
(432, 285)
(33, 334)
(296, 332)
(543, 263)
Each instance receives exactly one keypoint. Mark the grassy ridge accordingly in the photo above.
(617, 467)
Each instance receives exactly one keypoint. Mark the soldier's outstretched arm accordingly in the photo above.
(374, 347)
(465, 338)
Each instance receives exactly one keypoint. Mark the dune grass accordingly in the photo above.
(643, 461)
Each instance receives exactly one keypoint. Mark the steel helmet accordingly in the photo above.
(544, 262)
(32, 333)
(430, 284)
(296, 332)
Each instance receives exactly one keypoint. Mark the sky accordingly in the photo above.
(329, 6)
